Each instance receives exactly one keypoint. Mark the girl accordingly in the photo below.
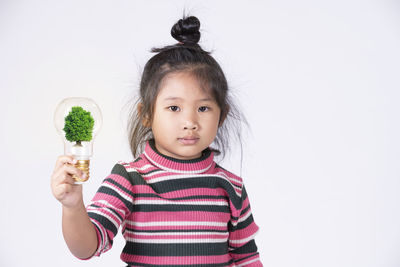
(177, 207)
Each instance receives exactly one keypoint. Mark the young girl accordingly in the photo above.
(177, 207)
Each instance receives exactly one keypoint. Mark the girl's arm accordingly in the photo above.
(79, 232)
(242, 246)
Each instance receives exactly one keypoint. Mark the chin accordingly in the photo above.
(189, 155)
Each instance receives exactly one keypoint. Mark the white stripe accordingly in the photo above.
(173, 170)
(116, 224)
(248, 262)
(242, 219)
(103, 237)
(244, 240)
(165, 241)
(130, 169)
(180, 202)
(173, 177)
(176, 223)
(109, 206)
(230, 177)
(144, 167)
(119, 191)
(170, 177)
(159, 172)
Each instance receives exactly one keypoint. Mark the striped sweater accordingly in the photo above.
(175, 213)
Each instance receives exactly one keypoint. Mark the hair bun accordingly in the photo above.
(186, 30)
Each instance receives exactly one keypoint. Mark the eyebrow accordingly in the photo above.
(171, 98)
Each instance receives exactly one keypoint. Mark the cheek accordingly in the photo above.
(213, 124)
(161, 121)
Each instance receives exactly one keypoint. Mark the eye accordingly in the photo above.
(173, 108)
(203, 109)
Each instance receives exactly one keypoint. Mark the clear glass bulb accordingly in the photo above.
(82, 150)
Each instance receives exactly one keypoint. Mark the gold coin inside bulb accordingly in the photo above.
(83, 165)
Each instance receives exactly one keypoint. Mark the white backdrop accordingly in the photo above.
(318, 81)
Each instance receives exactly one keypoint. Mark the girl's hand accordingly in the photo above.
(63, 185)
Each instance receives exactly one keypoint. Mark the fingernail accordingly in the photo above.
(74, 161)
(84, 175)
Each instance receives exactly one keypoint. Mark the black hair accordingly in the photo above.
(185, 56)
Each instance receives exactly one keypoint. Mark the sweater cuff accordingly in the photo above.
(98, 249)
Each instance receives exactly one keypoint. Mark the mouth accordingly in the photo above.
(188, 140)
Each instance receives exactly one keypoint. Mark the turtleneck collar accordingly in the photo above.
(198, 165)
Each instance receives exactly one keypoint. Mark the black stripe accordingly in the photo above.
(133, 177)
(234, 218)
(245, 223)
(191, 249)
(173, 231)
(100, 233)
(186, 265)
(149, 195)
(245, 210)
(109, 209)
(127, 191)
(212, 182)
(244, 193)
(109, 191)
(252, 255)
(231, 174)
(249, 247)
(151, 171)
(154, 207)
(105, 222)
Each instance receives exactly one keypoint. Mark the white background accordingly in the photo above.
(318, 81)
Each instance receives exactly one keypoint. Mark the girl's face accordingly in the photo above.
(185, 118)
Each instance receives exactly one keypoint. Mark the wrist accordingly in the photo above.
(73, 209)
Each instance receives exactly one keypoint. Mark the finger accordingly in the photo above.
(65, 159)
(65, 173)
(61, 190)
(61, 177)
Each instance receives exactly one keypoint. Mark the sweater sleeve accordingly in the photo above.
(109, 207)
(242, 230)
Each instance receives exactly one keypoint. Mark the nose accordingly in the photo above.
(190, 122)
(190, 126)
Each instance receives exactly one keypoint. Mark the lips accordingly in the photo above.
(188, 140)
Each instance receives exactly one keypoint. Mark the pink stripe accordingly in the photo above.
(179, 227)
(176, 260)
(110, 199)
(242, 234)
(236, 212)
(145, 189)
(107, 213)
(102, 238)
(235, 180)
(181, 200)
(253, 264)
(173, 216)
(192, 236)
(121, 181)
(246, 202)
(237, 257)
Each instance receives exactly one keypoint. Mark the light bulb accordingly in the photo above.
(78, 120)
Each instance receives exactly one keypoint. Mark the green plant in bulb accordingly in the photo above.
(78, 125)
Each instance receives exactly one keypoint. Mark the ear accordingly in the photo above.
(145, 121)
(223, 116)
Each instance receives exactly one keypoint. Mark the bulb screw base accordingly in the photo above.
(83, 165)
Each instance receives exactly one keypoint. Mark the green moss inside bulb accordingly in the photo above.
(78, 125)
